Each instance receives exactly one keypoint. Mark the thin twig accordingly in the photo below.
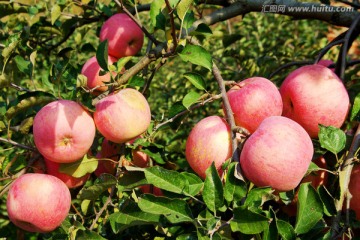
(172, 24)
(18, 144)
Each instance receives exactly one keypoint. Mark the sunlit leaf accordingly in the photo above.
(213, 193)
(196, 79)
(80, 168)
(196, 55)
(248, 222)
(332, 138)
(190, 98)
(102, 55)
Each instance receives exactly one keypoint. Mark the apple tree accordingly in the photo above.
(205, 119)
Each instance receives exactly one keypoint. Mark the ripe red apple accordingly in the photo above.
(354, 189)
(151, 189)
(63, 131)
(52, 168)
(253, 100)
(38, 202)
(91, 70)
(209, 141)
(313, 95)
(122, 116)
(277, 154)
(108, 150)
(124, 35)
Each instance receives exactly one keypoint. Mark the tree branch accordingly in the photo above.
(17, 144)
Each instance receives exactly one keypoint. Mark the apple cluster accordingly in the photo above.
(64, 132)
(281, 123)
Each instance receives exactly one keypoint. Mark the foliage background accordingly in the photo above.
(43, 47)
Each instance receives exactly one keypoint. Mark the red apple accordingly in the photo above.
(63, 131)
(124, 35)
(52, 168)
(139, 159)
(253, 100)
(151, 189)
(277, 154)
(354, 189)
(314, 95)
(38, 202)
(91, 70)
(108, 150)
(122, 116)
(209, 141)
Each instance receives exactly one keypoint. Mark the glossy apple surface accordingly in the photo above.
(277, 154)
(38, 202)
(63, 131)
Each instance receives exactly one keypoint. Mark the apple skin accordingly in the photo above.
(209, 141)
(91, 70)
(253, 100)
(38, 202)
(122, 116)
(313, 95)
(125, 37)
(354, 189)
(52, 168)
(277, 154)
(63, 131)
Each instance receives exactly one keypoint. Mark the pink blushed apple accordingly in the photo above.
(277, 154)
(91, 70)
(63, 131)
(38, 202)
(209, 141)
(314, 95)
(253, 100)
(124, 35)
(52, 168)
(122, 116)
(354, 189)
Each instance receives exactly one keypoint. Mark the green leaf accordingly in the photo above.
(310, 209)
(131, 215)
(327, 200)
(355, 111)
(230, 39)
(213, 193)
(103, 183)
(332, 138)
(258, 196)
(190, 98)
(175, 210)
(248, 222)
(183, 7)
(157, 18)
(285, 230)
(102, 55)
(55, 13)
(87, 234)
(234, 188)
(136, 81)
(130, 180)
(195, 183)
(176, 108)
(23, 65)
(168, 180)
(79, 168)
(196, 55)
(196, 79)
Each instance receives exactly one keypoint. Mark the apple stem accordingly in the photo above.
(347, 168)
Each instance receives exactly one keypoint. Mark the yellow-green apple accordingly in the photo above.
(354, 189)
(63, 131)
(254, 99)
(277, 154)
(38, 202)
(110, 151)
(122, 116)
(209, 141)
(124, 36)
(91, 70)
(314, 95)
(52, 168)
